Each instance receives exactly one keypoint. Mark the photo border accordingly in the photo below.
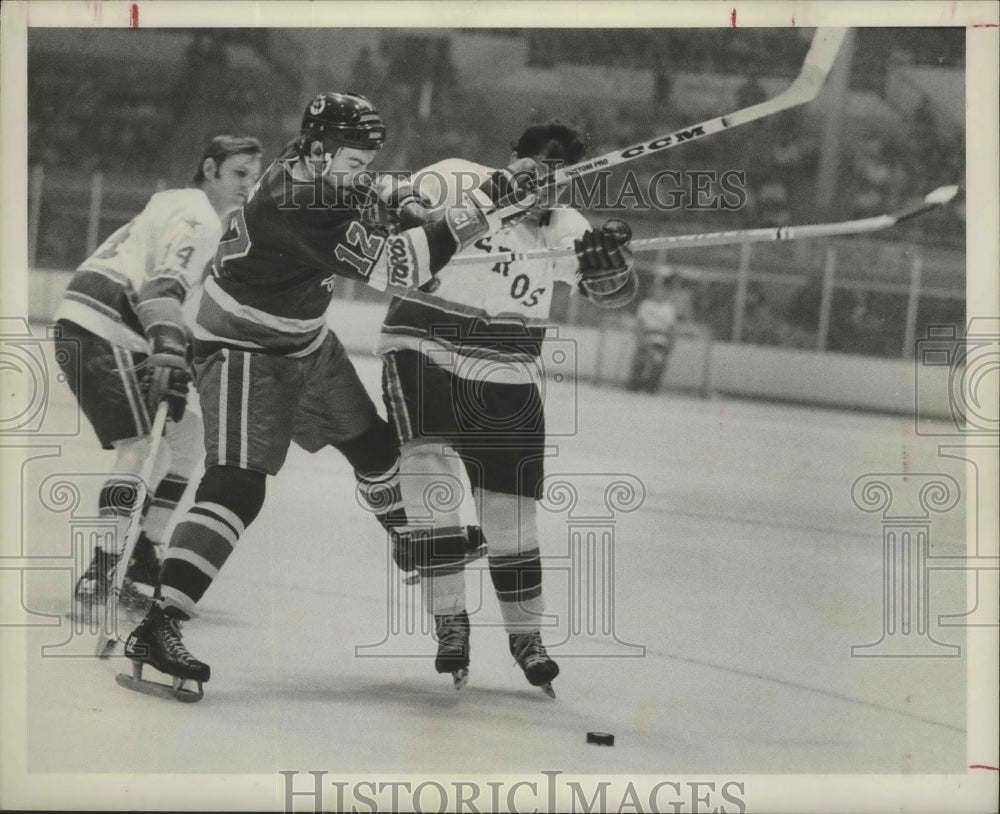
(974, 791)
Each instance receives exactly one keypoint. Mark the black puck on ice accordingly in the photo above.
(601, 738)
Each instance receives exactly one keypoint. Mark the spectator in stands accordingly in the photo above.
(655, 333)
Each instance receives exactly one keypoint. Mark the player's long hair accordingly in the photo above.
(553, 141)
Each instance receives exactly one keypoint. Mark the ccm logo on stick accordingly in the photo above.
(664, 141)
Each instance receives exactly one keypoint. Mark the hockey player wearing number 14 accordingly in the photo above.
(124, 344)
(461, 375)
(269, 370)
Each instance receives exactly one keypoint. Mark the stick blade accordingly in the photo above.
(817, 65)
(941, 195)
(804, 88)
(825, 47)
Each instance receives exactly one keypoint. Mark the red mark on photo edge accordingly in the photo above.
(984, 25)
(981, 766)
(133, 15)
(732, 18)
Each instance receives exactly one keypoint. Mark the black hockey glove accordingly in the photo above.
(167, 372)
(605, 259)
(405, 208)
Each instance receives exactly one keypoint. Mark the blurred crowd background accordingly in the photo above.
(116, 114)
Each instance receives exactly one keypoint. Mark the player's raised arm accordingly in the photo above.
(413, 256)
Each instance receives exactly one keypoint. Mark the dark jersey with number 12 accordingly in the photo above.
(274, 272)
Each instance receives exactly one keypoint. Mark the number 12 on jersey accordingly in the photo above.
(369, 246)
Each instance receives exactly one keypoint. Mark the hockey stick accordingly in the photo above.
(817, 64)
(106, 645)
(939, 197)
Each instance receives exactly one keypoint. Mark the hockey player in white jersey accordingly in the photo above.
(124, 345)
(461, 384)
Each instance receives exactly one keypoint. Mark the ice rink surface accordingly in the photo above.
(735, 592)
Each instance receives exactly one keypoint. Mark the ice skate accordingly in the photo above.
(452, 634)
(92, 588)
(141, 579)
(530, 654)
(144, 564)
(157, 643)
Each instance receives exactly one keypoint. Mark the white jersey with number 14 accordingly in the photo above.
(174, 236)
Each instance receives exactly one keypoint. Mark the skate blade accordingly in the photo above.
(183, 690)
(411, 579)
(460, 677)
(547, 689)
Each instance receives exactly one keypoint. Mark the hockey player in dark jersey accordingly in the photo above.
(268, 369)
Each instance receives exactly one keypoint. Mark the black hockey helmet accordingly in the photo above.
(341, 120)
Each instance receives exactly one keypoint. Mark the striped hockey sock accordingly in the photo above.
(199, 547)
(165, 499)
(517, 579)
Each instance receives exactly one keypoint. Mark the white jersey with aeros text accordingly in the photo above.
(489, 319)
(175, 236)
(522, 287)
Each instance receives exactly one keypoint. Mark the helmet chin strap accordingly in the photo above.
(328, 161)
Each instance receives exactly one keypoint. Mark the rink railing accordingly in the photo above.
(70, 212)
